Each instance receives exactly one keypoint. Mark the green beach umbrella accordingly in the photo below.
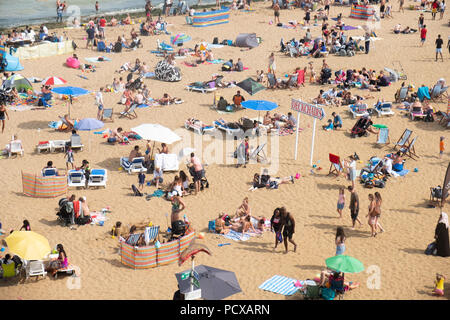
(379, 126)
(343, 263)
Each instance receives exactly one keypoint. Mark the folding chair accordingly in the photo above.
(272, 81)
(107, 115)
(75, 142)
(131, 113)
(256, 154)
(409, 150)
(133, 239)
(189, 20)
(383, 136)
(336, 166)
(9, 271)
(35, 269)
(338, 286)
(404, 139)
(401, 94)
(438, 93)
(151, 234)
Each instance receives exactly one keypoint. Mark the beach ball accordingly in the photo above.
(201, 235)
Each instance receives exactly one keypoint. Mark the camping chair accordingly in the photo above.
(384, 109)
(107, 115)
(131, 113)
(404, 139)
(256, 154)
(336, 166)
(409, 150)
(136, 164)
(272, 81)
(401, 94)
(98, 178)
(75, 142)
(49, 172)
(15, 147)
(312, 292)
(76, 178)
(383, 136)
(9, 270)
(151, 234)
(338, 286)
(35, 269)
(358, 110)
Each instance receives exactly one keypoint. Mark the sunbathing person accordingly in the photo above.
(320, 99)
(118, 230)
(274, 183)
(166, 99)
(243, 225)
(221, 227)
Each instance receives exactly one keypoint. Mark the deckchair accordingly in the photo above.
(75, 142)
(383, 136)
(151, 234)
(76, 178)
(272, 81)
(189, 20)
(292, 82)
(35, 269)
(358, 110)
(48, 172)
(212, 226)
(293, 52)
(133, 239)
(438, 93)
(131, 113)
(409, 150)
(136, 164)
(256, 154)
(98, 178)
(401, 94)
(107, 115)
(445, 119)
(338, 286)
(15, 147)
(384, 109)
(336, 166)
(404, 139)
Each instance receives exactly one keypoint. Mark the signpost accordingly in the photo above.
(311, 110)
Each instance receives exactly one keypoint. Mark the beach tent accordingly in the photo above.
(19, 82)
(362, 12)
(246, 40)
(8, 62)
(167, 72)
(251, 86)
(211, 18)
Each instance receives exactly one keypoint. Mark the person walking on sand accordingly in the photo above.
(341, 201)
(97, 7)
(276, 225)
(272, 66)
(99, 103)
(288, 228)
(441, 9)
(354, 206)
(377, 212)
(423, 34)
(70, 159)
(371, 214)
(439, 42)
(402, 2)
(276, 12)
(340, 241)
(3, 114)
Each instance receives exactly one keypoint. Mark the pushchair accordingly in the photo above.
(136, 84)
(65, 213)
(360, 127)
(325, 76)
(203, 181)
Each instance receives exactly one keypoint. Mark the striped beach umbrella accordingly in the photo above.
(53, 81)
(179, 38)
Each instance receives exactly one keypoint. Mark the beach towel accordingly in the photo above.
(347, 28)
(215, 61)
(149, 75)
(281, 285)
(423, 92)
(214, 46)
(236, 236)
(95, 59)
(402, 173)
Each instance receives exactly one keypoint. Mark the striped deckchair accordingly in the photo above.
(151, 233)
(133, 239)
(281, 285)
(404, 139)
(383, 136)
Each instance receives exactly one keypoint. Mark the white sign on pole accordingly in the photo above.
(311, 110)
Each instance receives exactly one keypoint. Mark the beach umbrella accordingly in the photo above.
(191, 251)
(156, 132)
(343, 263)
(28, 245)
(89, 124)
(179, 38)
(216, 284)
(251, 86)
(71, 92)
(53, 81)
(260, 105)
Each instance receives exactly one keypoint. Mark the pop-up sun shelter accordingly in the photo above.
(8, 62)
(19, 82)
(246, 40)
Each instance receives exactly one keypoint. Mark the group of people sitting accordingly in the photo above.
(73, 211)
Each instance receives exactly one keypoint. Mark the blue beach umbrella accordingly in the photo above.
(89, 124)
(259, 105)
(71, 92)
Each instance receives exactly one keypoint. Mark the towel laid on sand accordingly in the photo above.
(281, 285)
(95, 59)
(237, 236)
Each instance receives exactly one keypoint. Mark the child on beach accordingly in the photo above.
(99, 103)
(141, 180)
(439, 285)
(441, 147)
(157, 177)
(69, 156)
(341, 201)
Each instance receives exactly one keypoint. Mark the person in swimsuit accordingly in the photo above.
(177, 224)
(221, 228)
(60, 263)
(340, 241)
(371, 214)
(288, 228)
(377, 211)
(276, 225)
(3, 114)
(243, 209)
(276, 12)
(341, 201)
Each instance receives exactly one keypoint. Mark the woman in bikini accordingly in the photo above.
(243, 209)
(371, 214)
(221, 228)
(377, 211)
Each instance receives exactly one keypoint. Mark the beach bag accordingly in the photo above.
(328, 294)
(226, 67)
(101, 46)
(431, 249)
(216, 40)
(136, 191)
(379, 183)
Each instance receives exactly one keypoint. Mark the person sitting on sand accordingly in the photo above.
(118, 230)
(127, 20)
(243, 209)
(221, 228)
(166, 99)
(157, 177)
(209, 56)
(398, 162)
(116, 136)
(327, 276)
(243, 225)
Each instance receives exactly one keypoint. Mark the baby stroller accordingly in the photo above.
(203, 181)
(325, 76)
(65, 213)
(136, 84)
(360, 127)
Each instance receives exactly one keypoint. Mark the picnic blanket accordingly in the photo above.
(215, 61)
(281, 285)
(237, 236)
(95, 59)
(285, 131)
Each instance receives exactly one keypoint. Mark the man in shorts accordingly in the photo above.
(354, 206)
(91, 35)
(198, 171)
(238, 99)
(439, 42)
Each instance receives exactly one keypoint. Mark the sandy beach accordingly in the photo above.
(406, 272)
